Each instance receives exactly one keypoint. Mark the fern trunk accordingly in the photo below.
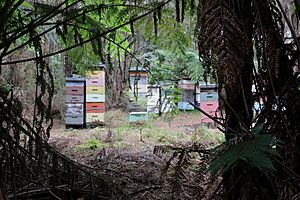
(227, 30)
(244, 182)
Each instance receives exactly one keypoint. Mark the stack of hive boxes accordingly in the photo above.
(159, 100)
(153, 99)
(209, 101)
(95, 96)
(188, 94)
(139, 89)
(74, 114)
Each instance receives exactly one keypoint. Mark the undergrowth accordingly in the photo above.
(91, 144)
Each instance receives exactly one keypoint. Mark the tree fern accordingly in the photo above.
(257, 152)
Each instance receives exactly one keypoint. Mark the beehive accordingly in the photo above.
(188, 94)
(137, 105)
(138, 116)
(95, 96)
(153, 99)
(74, 109)
(138, 80)
(209, 102)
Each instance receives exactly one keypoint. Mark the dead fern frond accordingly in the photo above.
(222, 42)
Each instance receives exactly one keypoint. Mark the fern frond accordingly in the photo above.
(194, 67)
(256, 152)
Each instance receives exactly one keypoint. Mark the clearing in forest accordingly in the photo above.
(139, 158)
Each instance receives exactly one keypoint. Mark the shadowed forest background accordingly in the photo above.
(249, 48)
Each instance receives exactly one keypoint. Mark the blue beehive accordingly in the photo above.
(185, 106)
(138, 116)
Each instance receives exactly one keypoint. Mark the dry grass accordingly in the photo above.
(129, 163)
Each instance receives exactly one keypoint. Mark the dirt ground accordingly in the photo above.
(139, 160)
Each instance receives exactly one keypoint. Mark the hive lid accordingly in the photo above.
(77, 79)
(138, 69)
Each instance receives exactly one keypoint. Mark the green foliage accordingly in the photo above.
(168, 66)
(194, 66)
(91, 144)
(257, 152)
(6, 87)
(82, 59)
(164, 136)
(59, 85)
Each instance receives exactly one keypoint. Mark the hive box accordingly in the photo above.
(188, 95)
(95, 82)
(185, 106)
(138, 116)
(138, 74)
(74, 90)
(187, 87)
(94, 90)
(208, 96)
(95, 98)
(209, 107)
(94, 117)
(96, 74)
(95, 107)
(74, 99)
(74, 109)
(74, 120)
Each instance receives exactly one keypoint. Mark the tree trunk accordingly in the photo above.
(116, 85)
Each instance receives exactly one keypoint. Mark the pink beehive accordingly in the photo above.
(209, 102)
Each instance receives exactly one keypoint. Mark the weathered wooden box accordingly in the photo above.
(74, 109)
(74, 99)
(74, 120)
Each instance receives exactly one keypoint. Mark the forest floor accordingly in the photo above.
(140, 159)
